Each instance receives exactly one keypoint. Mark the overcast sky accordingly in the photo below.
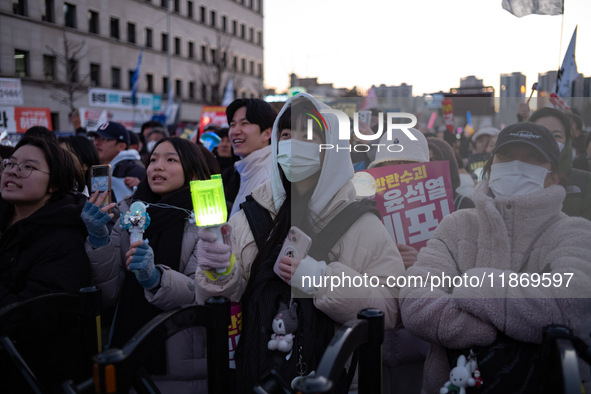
(429, 44)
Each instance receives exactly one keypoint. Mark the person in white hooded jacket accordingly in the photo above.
(514, 242)
(308, 189)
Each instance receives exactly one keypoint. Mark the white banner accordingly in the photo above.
(11, 92)
(107, 98)
(90, 118)
(7, 121)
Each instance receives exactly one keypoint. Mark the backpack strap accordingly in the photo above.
(338, 226)
(259, 220)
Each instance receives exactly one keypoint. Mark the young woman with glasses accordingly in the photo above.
(41, 233)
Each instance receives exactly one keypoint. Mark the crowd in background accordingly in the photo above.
(528, 209)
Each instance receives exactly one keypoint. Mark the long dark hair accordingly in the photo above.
(85, 151)
(64, 175)
(293, 211)
(192, 161)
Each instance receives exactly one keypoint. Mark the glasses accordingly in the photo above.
(24, 170)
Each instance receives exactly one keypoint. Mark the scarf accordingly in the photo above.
(165, 234)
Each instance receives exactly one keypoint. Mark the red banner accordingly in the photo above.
(448, 114)
(26, 118)
(214, 115)
(413, 199)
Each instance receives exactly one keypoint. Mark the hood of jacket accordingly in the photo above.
(337, 168)
(131, 154)
(253, 163)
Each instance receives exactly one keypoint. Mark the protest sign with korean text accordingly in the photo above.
(212, 115)
(413, 199)
(11, 92)
(447, 108)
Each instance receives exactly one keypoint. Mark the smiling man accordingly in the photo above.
(251, 122)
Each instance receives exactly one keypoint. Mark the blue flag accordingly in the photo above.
(135, 79)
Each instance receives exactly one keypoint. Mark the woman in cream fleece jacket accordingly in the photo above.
(510, 219)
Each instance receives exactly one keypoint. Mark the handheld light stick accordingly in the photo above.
(209, 205)
(136, 221)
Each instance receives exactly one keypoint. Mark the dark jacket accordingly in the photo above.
(129, 168)
(43, 253)
(231, 182)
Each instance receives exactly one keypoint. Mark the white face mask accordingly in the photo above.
(151, 145)
(516, 178)
(560, 145)
(298, 159)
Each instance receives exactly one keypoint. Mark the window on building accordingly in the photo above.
(234, 28)
(95, 75)
(224, 23)
(19, 7)
(202, 11)
(73, 70)
(214, 58)
(115, 78)
(235, 65)
(149, 83)
(164, 3)
(252, 95)
(177, 46)
(148, 38)
(192, 90)
(224, 59)
(191, 50)
(260, 38)
(115, 28)
(251, 68)
(178, 88)
(177, 6)
(164, 42)
(131, 33)
(130, 79)
(260, 70)
(49, 67)
(21, 63)
(243, 65)
(203, 54)
(93, 22)
(48, 11)
(260, 7)
(251, 34)
(243, 94)
(70, 15)
(203, 92)
(190, 9)
(242, 31)
(213, 17)
(165, 86)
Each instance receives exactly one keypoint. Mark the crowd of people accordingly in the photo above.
(527, 210)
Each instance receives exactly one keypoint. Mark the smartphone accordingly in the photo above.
(100, 179)
(365, 117)
(296, 245)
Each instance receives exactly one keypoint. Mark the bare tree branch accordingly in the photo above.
(72, 86)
